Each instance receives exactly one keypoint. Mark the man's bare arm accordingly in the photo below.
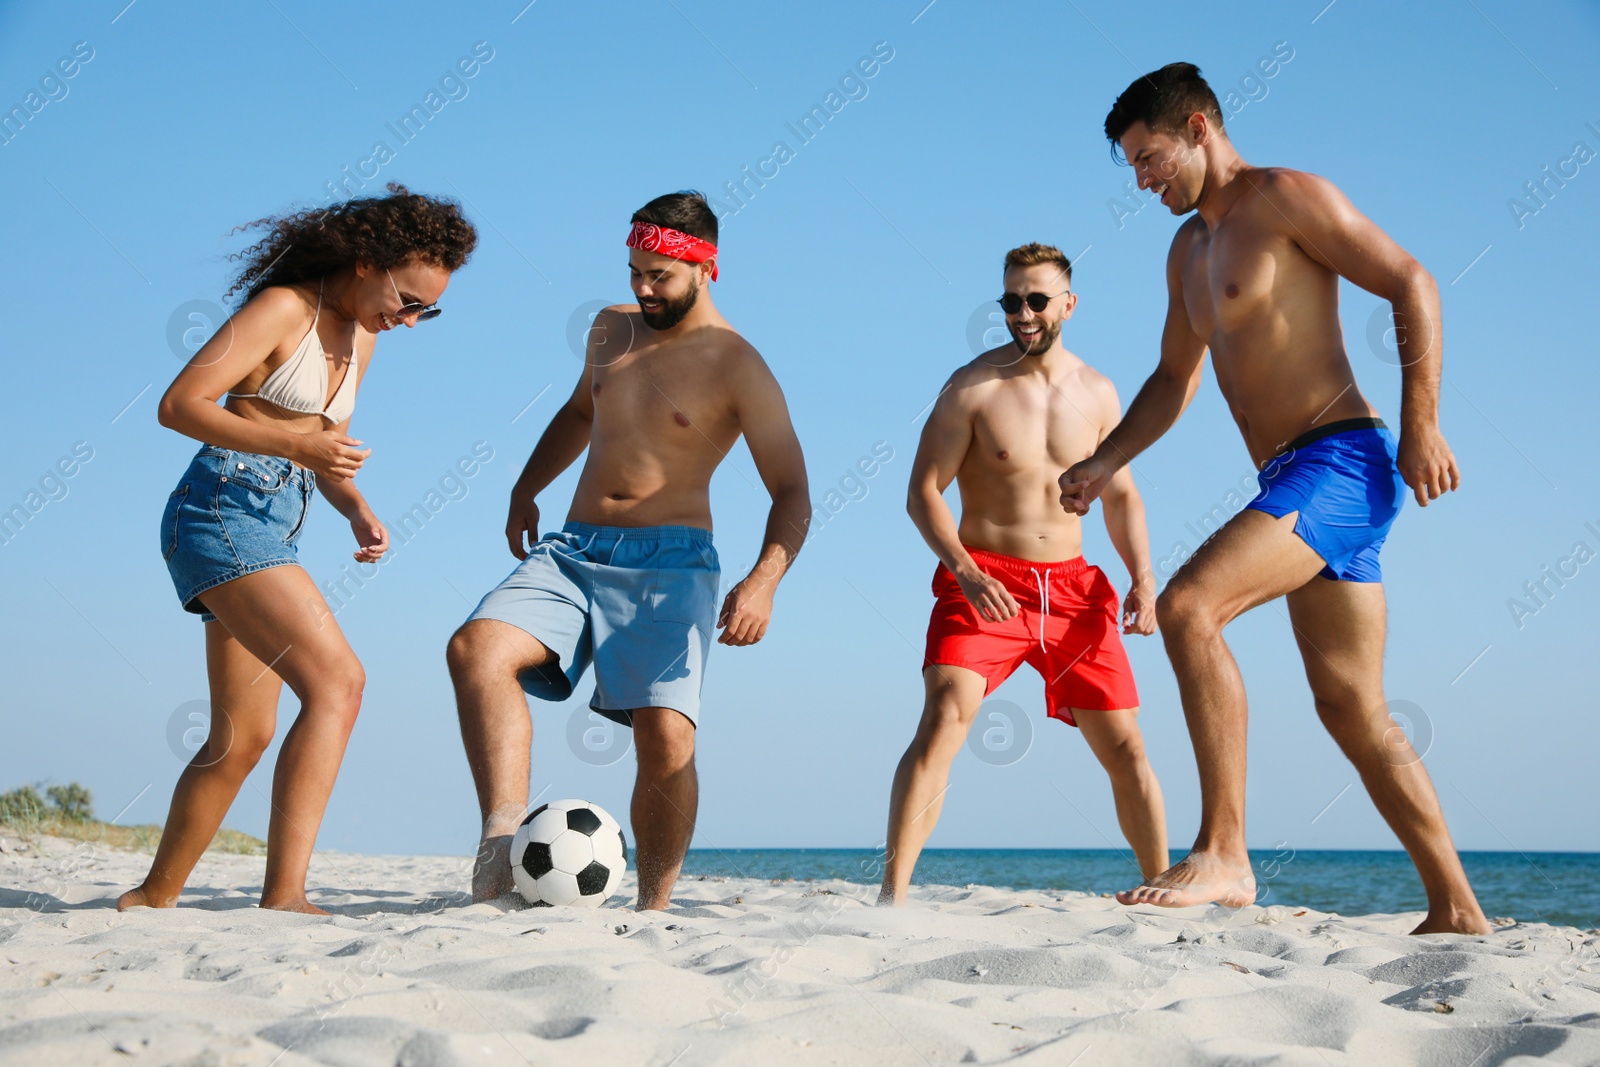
(1330, 230)
(562, 442)
(1123, 510)
(946, 437)
(768, 431)
(1163, 397)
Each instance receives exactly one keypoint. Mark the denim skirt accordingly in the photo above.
(232, 513)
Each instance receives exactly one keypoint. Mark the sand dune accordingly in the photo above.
(744, 971)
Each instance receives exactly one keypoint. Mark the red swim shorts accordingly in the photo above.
(1067, 629)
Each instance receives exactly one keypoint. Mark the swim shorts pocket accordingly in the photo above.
(1102, 592)
(169, 520)
(685, 596)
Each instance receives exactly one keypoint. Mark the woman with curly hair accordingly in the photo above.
(318, 289)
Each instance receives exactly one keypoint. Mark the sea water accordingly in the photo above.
(1554, 887)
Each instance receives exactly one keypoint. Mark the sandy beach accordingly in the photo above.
(746, 971)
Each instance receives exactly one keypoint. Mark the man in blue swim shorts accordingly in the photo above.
(630, 583)
(1254, 277)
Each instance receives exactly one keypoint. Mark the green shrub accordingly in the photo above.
(72, 802)
(21, 807)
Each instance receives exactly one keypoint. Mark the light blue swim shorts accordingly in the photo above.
(638, 602)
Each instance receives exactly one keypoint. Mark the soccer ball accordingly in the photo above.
(568, 852)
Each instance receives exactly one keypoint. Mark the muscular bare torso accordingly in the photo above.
(1027, 427)
(664, 417)
(1270, 314)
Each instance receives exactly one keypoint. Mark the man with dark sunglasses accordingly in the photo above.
(1253, 276)
(1012, 585)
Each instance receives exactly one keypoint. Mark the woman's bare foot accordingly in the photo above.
(491, 871)
(140, 897)
(1455, 921)
(1198, 878)
(295, 904)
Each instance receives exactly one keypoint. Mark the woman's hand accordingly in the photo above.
(330, 454)
(372, 536)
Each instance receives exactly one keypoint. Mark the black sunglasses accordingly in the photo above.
(1011, 303)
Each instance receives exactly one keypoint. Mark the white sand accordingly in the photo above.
(743, 971)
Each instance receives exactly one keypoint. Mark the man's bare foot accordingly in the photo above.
(886, 898)
(140, 897)
(297, 904)
(1198, 878)
(654, 905)
(1455, 921)
(491, 870)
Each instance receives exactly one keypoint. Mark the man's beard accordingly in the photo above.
(1047, 337)
(672, 311)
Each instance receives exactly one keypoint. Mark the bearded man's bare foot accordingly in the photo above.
(491, 871)
(1456, 920)
(140, 897)
(1198, 878)
(299, 905)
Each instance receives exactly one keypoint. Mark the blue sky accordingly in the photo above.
(860, 269)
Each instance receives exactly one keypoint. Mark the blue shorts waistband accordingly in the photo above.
(1369, 426)
(639, 533)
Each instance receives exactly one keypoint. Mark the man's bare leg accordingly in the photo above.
(1340, 628)
(1253, 559)
(485, 657)
(1115, 740)
(666, 798)
(953, 695)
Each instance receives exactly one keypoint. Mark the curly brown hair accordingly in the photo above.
(381, 230)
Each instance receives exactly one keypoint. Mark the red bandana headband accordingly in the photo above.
(664, 241)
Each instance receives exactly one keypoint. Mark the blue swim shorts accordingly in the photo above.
(1343, 481)
(233, 513)
(640, 603)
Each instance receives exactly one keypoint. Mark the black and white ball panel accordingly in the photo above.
(568, 852)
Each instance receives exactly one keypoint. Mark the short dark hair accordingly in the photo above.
(686, 211)
(1033, 254)
(1163, 100)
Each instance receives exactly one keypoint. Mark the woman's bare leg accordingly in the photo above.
(244, 715)
(281, 619)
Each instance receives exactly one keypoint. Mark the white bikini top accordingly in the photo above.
(300, 383)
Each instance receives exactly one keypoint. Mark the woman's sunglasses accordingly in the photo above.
(423, 312)
(1011, 303)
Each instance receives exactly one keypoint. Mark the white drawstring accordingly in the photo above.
(1044, 600)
